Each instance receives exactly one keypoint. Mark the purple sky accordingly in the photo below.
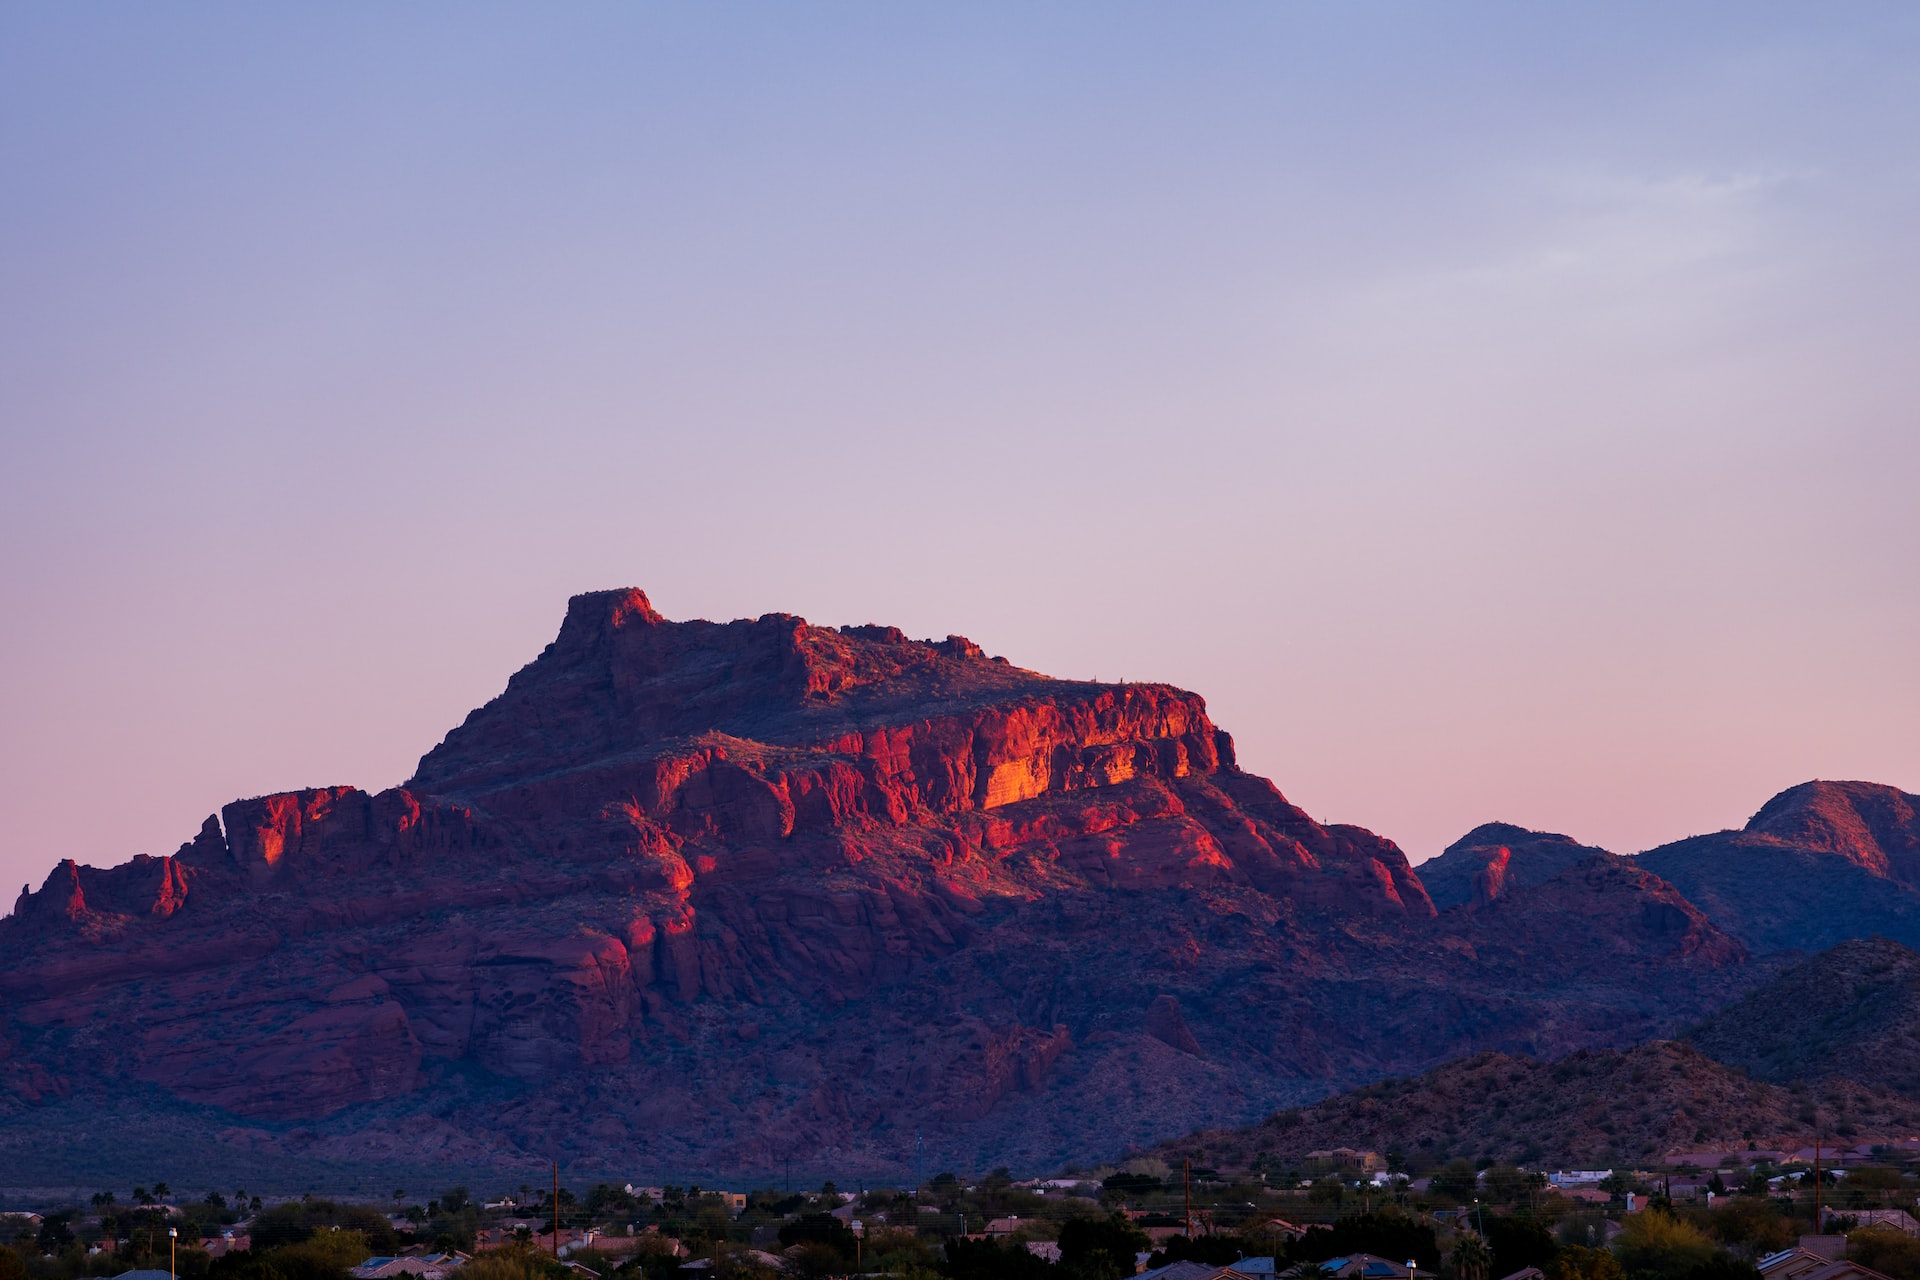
(1495, 413)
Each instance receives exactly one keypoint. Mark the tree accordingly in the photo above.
(1658, 1246)
(812, 1260)
(1504, 1184)
(1471, 1259)
(1578, 1262)
(1388, 1234)
(1214, 1251)
(993, 1260)
(1519, 1242)
(1100, 1248)
(819, 1228)
(1891, 1253)
(1457, 1179)
(1327, 1191)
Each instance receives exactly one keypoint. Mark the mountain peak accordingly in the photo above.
(1868, 823)
(1495, 857)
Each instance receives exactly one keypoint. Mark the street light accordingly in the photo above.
(173, 1253)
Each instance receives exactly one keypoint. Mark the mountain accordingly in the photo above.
(1493, 858)
(1819, 864)
(703, 899)
(1852, 1011)
(1591, 1109)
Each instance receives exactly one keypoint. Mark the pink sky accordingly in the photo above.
(1494, 414)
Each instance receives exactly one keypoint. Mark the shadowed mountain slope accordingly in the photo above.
(1852, 1011)
(1593, 1108)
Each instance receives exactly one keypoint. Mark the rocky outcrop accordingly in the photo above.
(749, 889)
(1496, 857)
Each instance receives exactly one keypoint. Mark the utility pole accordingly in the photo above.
(1186, 1176)
(556, 1211)
(173, 1253)
(1818, 1202)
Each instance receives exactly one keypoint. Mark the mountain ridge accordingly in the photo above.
(749, 889)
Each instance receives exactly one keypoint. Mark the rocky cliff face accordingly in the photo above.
(749, 891)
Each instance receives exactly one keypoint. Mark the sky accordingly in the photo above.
(1496, 411)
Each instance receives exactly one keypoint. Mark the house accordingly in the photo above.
(1285, 1228)
(433, 1266)
(1045, 1250)
(1002, 1227)
(1888, 1219)
(1526, 1273)
(1347, 1158)
(1365, 1266)
(772, 1262)
(1189, 1270)
(144, 1275)
(1804, 1264)
(1260, 1267)
(225, 1243)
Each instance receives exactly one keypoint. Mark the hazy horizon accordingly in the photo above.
(1495, 414)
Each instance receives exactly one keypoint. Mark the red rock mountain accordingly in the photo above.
(702, 899)
(1820, 863)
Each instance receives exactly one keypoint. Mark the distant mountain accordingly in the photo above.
(1495, 857)
(705, 898)
(1593, 1108)
(1820, 863)
(1852, 1011)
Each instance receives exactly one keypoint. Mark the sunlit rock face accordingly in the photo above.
(744, 890)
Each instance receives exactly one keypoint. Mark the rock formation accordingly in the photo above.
(761, 891)
(1495, 857)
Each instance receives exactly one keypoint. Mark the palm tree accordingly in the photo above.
(1471, 1260)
